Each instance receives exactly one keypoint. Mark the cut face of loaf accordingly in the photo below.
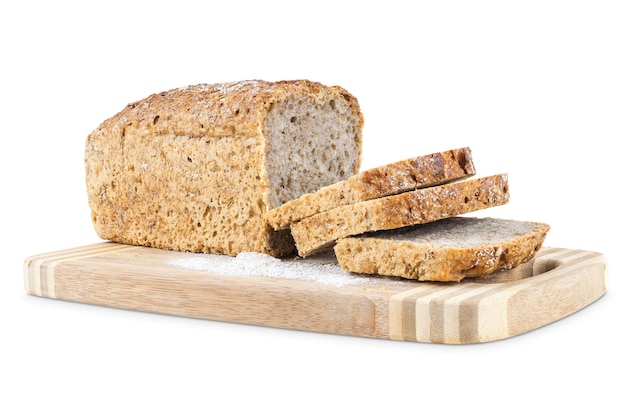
(390, 179)
(447, 250)
(196, 168)
(320, 231)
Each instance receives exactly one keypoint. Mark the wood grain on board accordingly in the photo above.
(557, 283)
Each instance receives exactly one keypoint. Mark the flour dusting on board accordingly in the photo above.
(323, 269)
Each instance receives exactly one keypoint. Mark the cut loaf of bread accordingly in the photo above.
(423, 171)
(320, 231)
(196, 168)
(447, 250)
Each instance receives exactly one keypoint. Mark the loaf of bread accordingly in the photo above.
(409, 174)
(446, 250)
(320, 231)
(196, 168)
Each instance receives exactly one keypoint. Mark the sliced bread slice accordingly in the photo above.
(405, 175)
(320, 231)
(447, 250)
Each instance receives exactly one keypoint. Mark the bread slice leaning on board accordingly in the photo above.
(401, 176)
(446, 250)
(321, 231)
(196, 168)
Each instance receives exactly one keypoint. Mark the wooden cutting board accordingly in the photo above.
(316, 295)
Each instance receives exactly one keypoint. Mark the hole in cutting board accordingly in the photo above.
(529, 269)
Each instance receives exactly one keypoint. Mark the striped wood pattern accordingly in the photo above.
(558, 282)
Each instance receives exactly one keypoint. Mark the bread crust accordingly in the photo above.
(230, 109)
(186, 169)
(320, 231)
(478, 248)
(401, 176)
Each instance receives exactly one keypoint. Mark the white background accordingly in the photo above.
(537, 89)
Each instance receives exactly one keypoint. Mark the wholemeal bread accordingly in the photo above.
(423, 171)
(320, 231)
(447, 250)
(196, 168)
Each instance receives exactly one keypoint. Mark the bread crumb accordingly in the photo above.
(322, 269)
